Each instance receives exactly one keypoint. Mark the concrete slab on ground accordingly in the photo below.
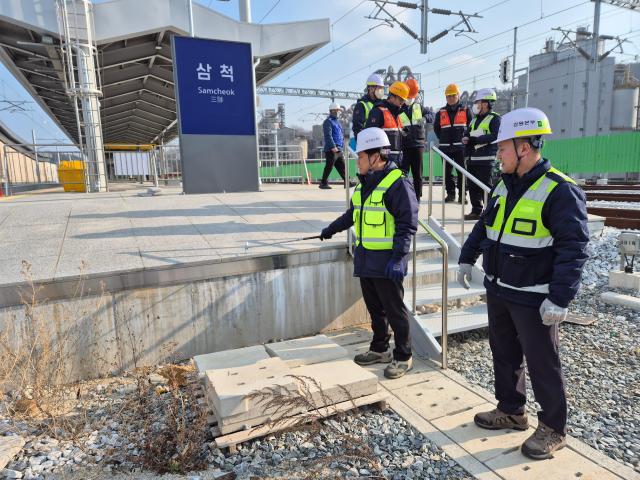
(306, 351)
(229, 390)
(336, 381)
(239, 357)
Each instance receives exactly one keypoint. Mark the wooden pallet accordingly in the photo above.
(232, 440)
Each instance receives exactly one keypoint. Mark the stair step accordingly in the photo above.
(431, 265)
(470, 318)
(432, 294)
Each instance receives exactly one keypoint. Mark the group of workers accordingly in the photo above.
(532, 235)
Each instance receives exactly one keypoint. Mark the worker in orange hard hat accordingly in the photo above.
(413, 116)
(449, 126)
(385, 115)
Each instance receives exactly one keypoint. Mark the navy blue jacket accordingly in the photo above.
(359, 118)
(400, 201)
(565, 215)
(490, 149)
(333, 136)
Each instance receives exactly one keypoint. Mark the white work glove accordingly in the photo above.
(464, 274)
(551, 313)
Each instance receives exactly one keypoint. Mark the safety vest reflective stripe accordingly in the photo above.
(374, 225)
(486, 157)
(542, 288)
(523, 228)
(481, 128)
(367, 108)
(518, 240)
(416, 115)
(449, 144)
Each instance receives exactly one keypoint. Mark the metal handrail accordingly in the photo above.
(465, 175)
(445, 287)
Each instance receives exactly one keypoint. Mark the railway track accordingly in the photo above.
(625, 218)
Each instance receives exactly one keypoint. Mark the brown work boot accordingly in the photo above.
(543, 443)
(497, 420)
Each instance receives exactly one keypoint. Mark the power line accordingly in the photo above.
(347, 13)
(270, 10)
(498, 34)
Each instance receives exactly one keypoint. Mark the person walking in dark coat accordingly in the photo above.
(333, 146)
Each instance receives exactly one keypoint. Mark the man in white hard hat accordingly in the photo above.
(333, 145)
(373, 94)
(533, 237)
(384, 211)
(480, 148)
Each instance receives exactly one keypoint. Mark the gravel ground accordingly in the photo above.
(601, 362)
(111, 443)
(610, 204)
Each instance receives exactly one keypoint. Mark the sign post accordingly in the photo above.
(215, 100)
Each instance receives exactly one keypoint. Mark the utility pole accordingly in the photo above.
(35, 153)
(424, 27)
(513, 68)
(595, 59)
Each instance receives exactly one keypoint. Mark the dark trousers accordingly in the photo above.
(476, 194)
(412, 160)
(450, 184)
(516, 331)
(384, 299)
(333, 159)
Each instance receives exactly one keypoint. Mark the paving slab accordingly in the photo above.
(239, 357)
(566, 464)
(438, 396)
(306, 351)
(336, 381)
(229, 389)
(481, 443)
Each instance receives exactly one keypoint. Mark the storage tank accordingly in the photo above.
(624, 114)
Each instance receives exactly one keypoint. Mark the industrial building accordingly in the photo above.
(584, 99)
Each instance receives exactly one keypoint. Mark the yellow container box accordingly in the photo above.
(71, 175)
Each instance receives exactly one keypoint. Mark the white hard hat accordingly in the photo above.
(375, 80)
(334, 106)
(523, 122)
(486, 94)
(372, 137)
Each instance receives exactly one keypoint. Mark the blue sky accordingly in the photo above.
(355, 50)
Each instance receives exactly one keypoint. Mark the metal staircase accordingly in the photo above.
(435, 256)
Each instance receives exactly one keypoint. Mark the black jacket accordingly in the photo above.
(359, 118)
(400, 201)
(447, 137)
(376, 119)
(565, 215)
(415, 135)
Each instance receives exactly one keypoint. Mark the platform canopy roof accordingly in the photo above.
(133, 39)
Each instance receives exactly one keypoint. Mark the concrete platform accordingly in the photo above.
(64, 234)
(441, 405)
(239, 357)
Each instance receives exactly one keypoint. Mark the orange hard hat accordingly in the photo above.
(399, 89)
(414, 88)
(452, 89)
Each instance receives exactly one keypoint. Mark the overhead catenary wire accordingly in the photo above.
(270, 10)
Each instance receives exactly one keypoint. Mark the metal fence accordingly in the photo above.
(28, 166)
(282, 164)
